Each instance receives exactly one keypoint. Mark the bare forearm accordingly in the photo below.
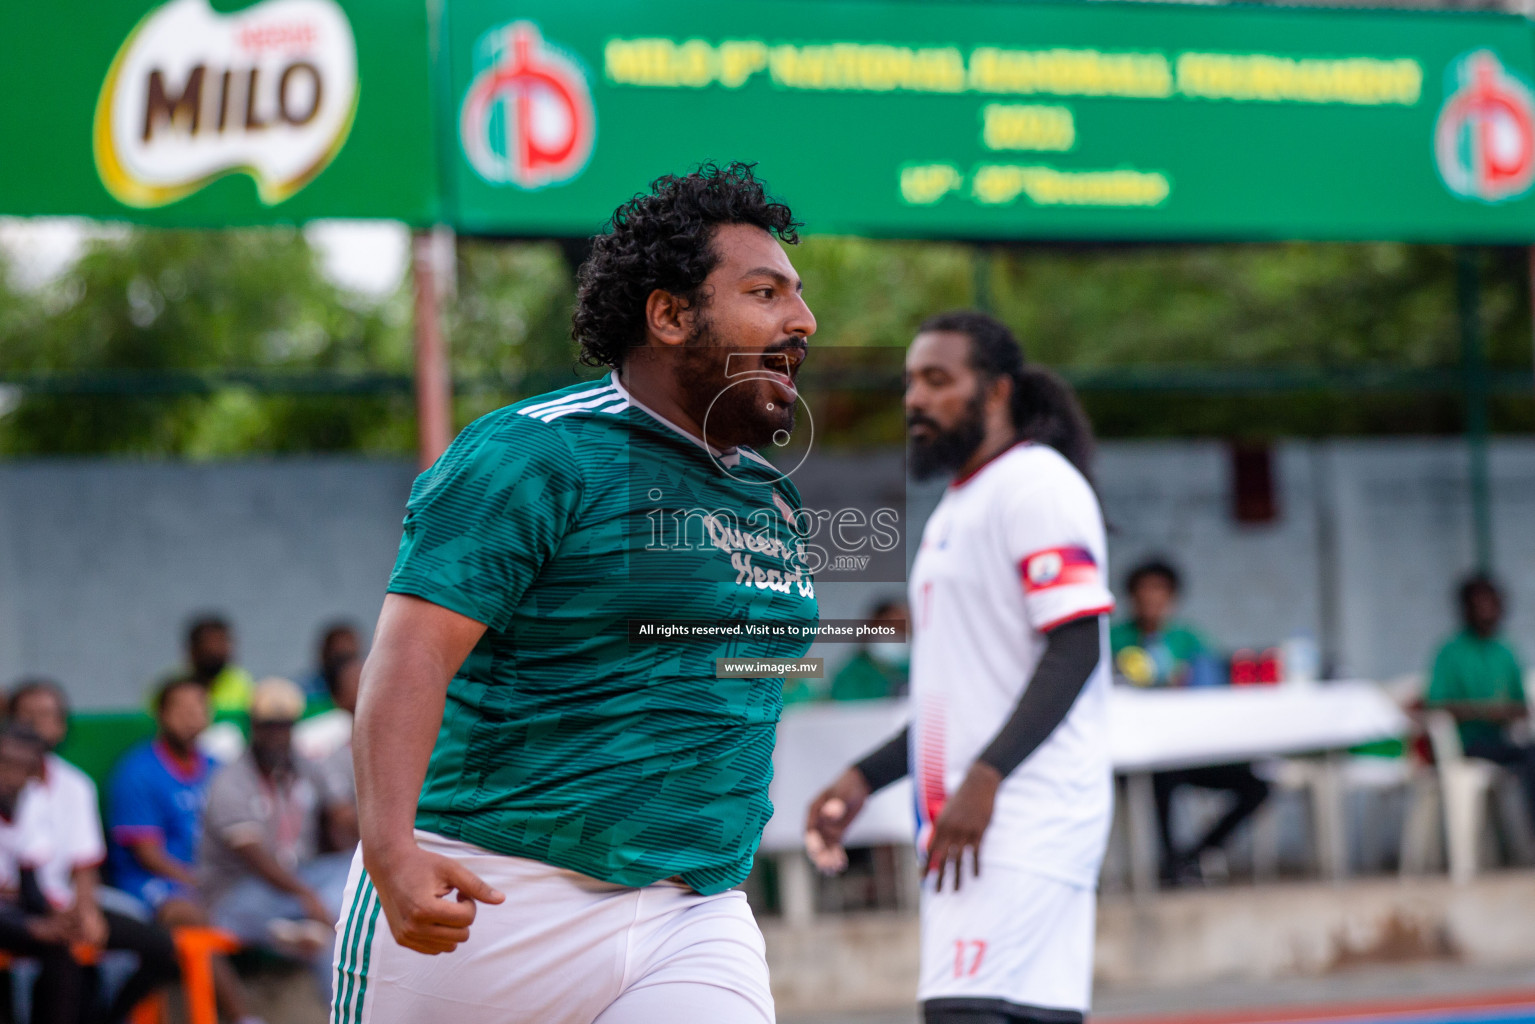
(398, 716)
(85, 880)
(265, 867)
(155, 860)
(1480, 711)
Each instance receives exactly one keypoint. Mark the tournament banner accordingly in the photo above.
(1001, 120)
(210, 113)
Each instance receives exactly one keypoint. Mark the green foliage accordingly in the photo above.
(1329, 307)
(142, 304)
(190, 301)
(509, 323)
(865, 292)
(1296, 304)
(1174, 309)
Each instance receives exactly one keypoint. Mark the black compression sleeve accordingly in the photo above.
(886, 764)
(1071, 654)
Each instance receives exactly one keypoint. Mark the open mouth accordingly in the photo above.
(784, 384)
(779, 368)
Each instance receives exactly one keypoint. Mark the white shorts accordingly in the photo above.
(562, 949)
(1010, 940)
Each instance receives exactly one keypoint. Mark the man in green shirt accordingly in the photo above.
(210, 647)
(1152, 649)
(529, 760)
(1478, 678)
(878, 668)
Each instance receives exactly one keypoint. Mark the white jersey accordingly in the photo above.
(1011, 552)
(74, 826)
(26, 840)
(56, 829)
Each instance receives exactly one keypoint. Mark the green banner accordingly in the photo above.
(199, 114)
(996, 120)
(970, 120)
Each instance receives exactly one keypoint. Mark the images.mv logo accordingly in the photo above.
(527, 118)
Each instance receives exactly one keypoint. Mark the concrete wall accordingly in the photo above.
(101, 563)
(1371, 538)
(1405, 537)
(1244, 585)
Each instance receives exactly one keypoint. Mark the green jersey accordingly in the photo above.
(558, 522)
(1470, 669)
(1173, 657)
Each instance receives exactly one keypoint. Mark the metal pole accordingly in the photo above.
(434, 385)
(983, 268)
(1474, 369)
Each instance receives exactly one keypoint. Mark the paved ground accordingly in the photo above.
(289, 998)
(1366, 985)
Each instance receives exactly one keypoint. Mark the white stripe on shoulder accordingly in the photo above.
(614, 404)
(591, 403)
(607, 390)
(755, 457)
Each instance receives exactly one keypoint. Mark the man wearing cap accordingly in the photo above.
(261, 873)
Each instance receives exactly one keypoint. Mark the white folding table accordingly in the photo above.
(1149, 731)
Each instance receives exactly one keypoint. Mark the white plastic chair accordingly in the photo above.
(1465, 785)
(1288, 775)
(1323, 784)
(1422, 846)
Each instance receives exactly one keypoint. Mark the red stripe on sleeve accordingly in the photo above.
(1057, 567)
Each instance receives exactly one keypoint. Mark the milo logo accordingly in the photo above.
(194, 95)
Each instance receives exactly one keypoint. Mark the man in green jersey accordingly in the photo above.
(1151, 647)
(585, 797)
(1478, 678)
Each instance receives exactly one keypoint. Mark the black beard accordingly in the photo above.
(273, 764)
(947, 450)
(208, 669)
(732, 414)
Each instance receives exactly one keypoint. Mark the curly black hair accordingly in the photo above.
(664, 239)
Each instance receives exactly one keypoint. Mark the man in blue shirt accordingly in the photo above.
(155, 811)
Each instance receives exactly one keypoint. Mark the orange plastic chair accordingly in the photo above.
(195, 949)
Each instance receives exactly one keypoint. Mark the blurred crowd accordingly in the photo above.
(238, 812)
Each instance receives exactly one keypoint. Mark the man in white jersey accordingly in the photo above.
(1009, 680)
